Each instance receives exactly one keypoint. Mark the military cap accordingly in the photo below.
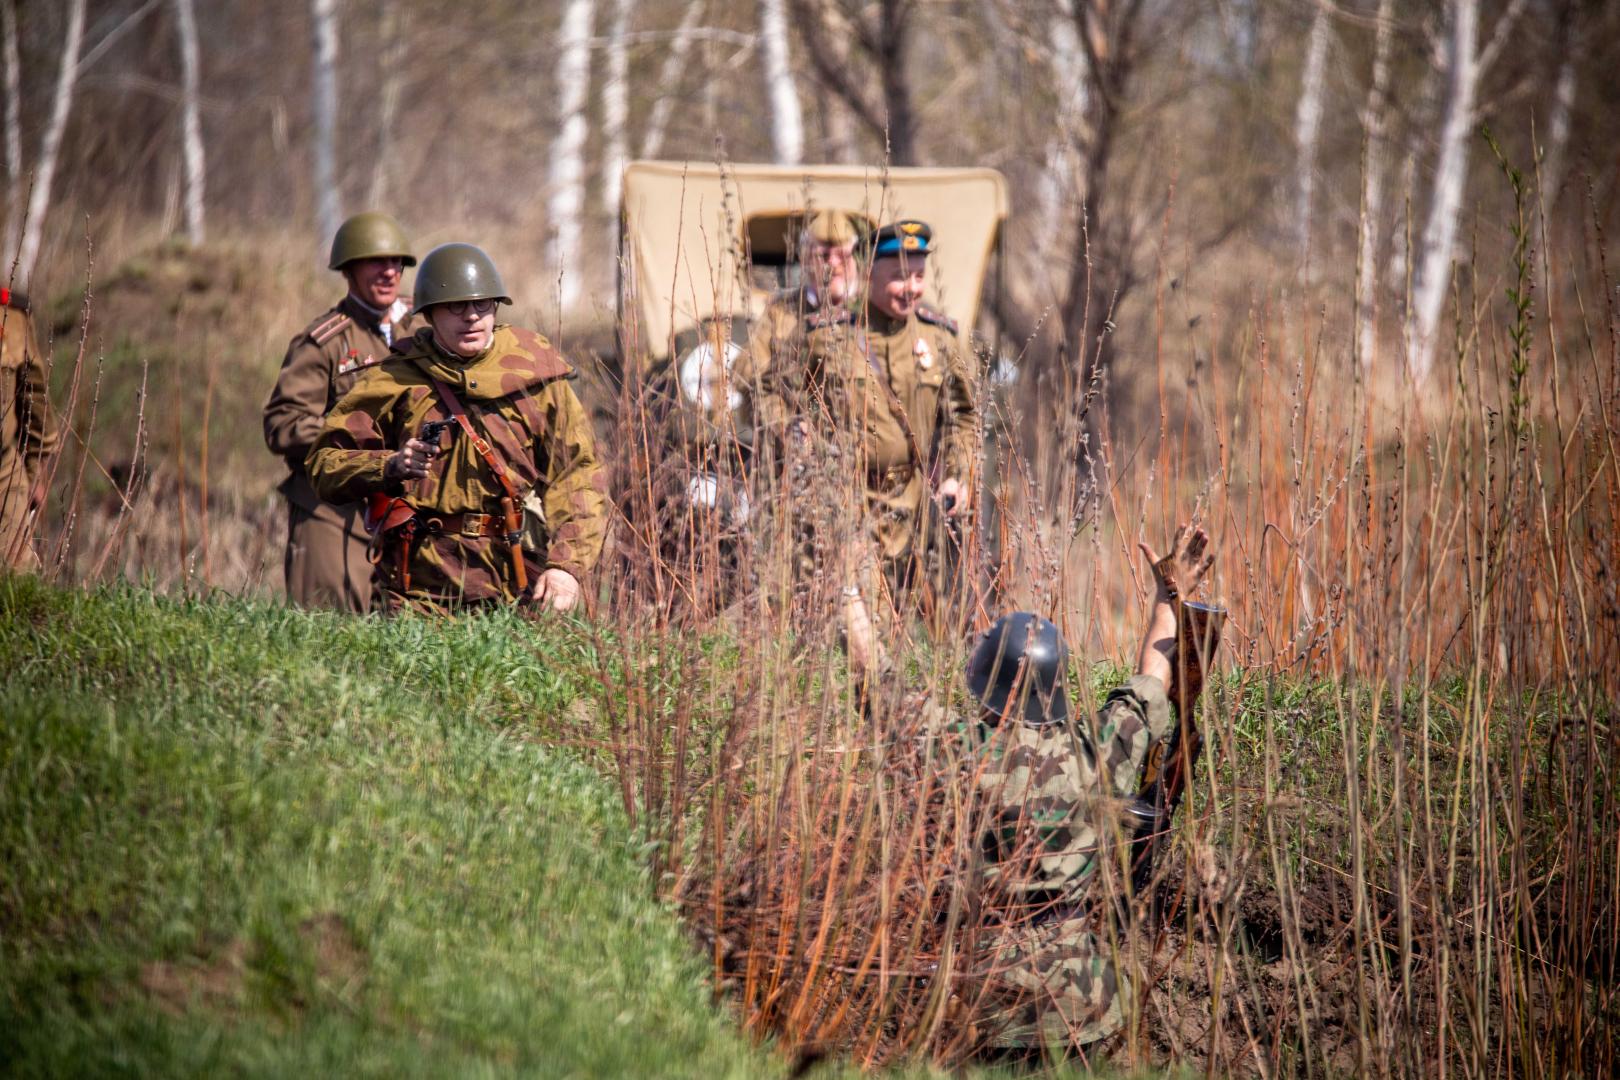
(910, 237)
(371, 235)
(830, 227)
(453, 272)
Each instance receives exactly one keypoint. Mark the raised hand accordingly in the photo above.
(1185, 568)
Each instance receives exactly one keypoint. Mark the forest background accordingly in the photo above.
(1337, 276)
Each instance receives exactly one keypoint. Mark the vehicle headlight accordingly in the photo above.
(703, 371)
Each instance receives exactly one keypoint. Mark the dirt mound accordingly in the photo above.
(328, 954)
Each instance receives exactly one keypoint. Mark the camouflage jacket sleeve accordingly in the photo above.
(1132, 718)
(294, 413)
(572, 485)
(353, 445)
(959, 419)
(42, 436)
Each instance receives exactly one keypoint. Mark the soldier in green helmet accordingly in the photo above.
(450, 436)
(1054, 794)
(325, 561)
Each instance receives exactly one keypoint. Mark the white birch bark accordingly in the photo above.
(787, 120)
(1450, 179)
(566, 205)
(1059, 187)
(616, 107)
(1558, 122)
(328, 210)
(669, 80)
(13, 122)
(1375, 124)
(39, 199)
(192, 159)
(1307, 127)
(392, 26)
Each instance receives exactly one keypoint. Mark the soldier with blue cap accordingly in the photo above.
(896, 395)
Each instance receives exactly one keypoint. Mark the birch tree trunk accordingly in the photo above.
(567, 167)
(1070, 71)
(787, 122)
(1450, 180)
(13, 121)
(392, 27)
(1375, 124)
(669, 80)
(616, 108)
(328, 210)
(191, 153)
(1307, 127)
(39, 199)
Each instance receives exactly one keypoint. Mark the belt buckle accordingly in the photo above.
(474, 524)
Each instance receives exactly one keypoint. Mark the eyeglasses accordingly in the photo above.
(477, 307)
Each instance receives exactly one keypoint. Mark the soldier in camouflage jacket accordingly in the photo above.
(449, 544)
(1050, 792)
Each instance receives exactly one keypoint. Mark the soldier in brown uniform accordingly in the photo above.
(28, 433)
(885, 388)
(776, 340)
(450, 435)
(325, 562)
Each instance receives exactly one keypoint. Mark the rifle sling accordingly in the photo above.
(485, 451)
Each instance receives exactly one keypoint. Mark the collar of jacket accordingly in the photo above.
(881, 324)
(515, 360)
(362, 313)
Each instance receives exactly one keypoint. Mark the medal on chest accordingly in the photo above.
(924, 355)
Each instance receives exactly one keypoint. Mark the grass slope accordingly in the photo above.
(237, 838)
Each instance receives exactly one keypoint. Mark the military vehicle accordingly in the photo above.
(703, 248)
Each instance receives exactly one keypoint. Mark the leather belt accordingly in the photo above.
(467, 524)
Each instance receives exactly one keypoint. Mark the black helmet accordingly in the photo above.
(1024, 642)
(370, 235)
(452, 272)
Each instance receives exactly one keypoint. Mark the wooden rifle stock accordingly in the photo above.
(1170, 764)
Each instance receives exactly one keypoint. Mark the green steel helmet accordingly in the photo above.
(371, 235)
(452, 272)
(1021, 665)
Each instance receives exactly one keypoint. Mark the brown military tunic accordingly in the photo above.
(764, 374)
(517, 395)
(28, 435)
(325, 561)
(899, 393)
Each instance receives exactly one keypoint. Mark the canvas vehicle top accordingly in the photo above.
(704, 242)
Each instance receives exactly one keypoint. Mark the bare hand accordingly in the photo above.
(1183, 570)
(555, 590)
(410, 463)
(952, 495)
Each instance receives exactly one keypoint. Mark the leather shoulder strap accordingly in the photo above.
(485, 451)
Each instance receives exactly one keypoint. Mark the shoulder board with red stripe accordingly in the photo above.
(12, 299)
(327, 329)
(936, 318)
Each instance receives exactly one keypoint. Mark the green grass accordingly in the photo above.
(236, 838)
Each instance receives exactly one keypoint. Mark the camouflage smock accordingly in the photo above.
(517, 394)
(1051, 799)
(28, 435)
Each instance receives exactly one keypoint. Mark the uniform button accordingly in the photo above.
(472, 384)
